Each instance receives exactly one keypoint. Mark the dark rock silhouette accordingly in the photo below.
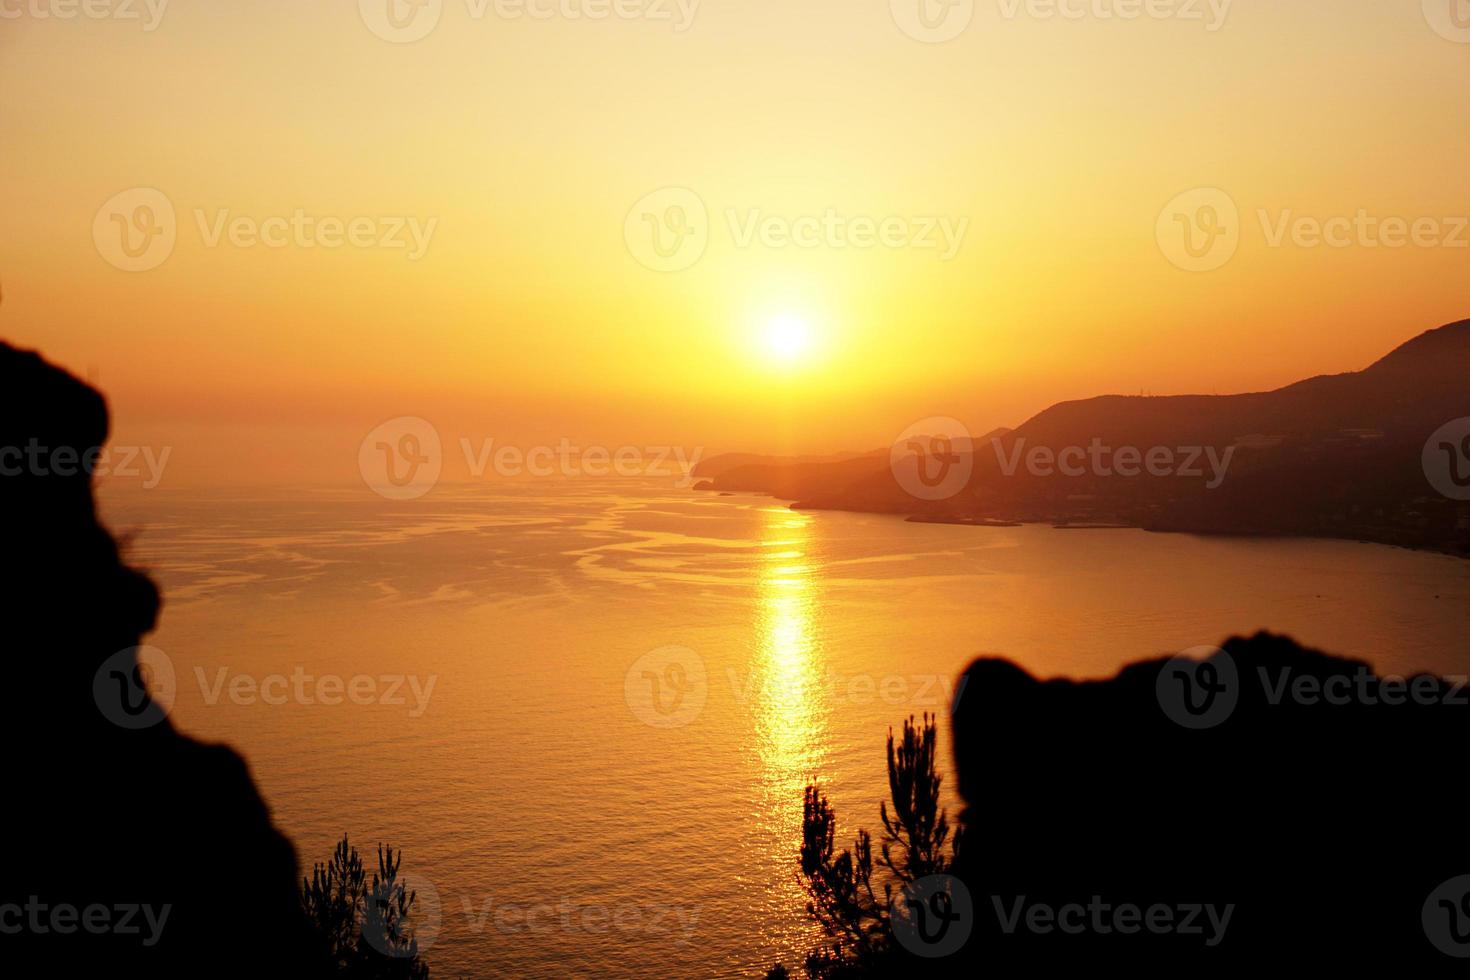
(104, 818)
(1327, 826)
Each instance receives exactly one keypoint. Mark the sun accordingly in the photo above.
(788, 337)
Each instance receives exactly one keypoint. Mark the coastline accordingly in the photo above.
(1386, 539)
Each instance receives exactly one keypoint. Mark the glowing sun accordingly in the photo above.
(787, 337)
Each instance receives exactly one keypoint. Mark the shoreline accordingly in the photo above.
(1001, 523)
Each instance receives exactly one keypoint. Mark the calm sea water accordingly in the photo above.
(586, 712)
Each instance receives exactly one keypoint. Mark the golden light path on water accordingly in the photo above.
(790, 708)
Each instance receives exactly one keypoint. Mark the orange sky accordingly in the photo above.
(519, 145)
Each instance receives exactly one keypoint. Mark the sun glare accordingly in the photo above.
(787, 337)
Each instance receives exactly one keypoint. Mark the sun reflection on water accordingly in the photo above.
(790, 710)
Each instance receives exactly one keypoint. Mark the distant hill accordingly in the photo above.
(1335, 455)
(790, 477)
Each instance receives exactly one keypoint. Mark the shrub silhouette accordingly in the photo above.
(367, 925)
(840, 887)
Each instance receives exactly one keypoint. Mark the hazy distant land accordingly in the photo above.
(1341, 456)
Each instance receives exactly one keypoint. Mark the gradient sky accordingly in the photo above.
(529, 319)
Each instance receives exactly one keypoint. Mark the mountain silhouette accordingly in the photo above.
(159, 845)
(1415, 389)
(1332, 456)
